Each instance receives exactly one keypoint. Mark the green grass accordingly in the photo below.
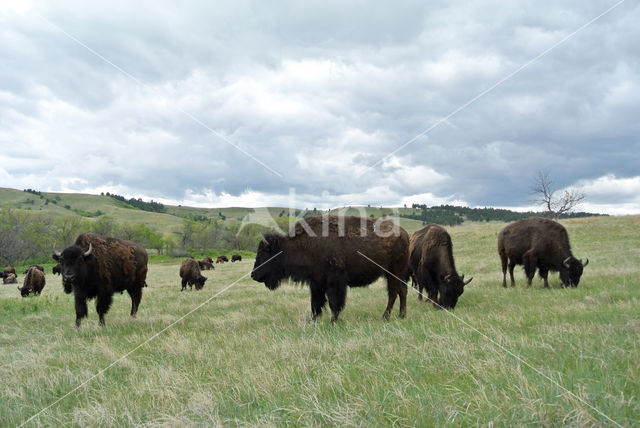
(251, 357)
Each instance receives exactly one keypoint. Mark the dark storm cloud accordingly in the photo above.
(319, 93)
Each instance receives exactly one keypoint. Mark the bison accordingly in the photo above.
(331, 252)
(190, 274)
(6, 271)
(206, 263)
(56, 270)
(34, 282)
(538, 243)
(222, 259)
(432, 266)
(10, 278)
(97, 266)
(236, 258)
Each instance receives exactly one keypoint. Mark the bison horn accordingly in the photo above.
(57, 253)
(88, 252)
(586, 262)
(565, 263)
(263, 239)
(447, 278)
(467, 281)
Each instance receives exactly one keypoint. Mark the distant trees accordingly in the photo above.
(555, 205)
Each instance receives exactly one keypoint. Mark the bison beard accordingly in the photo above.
(97, 267)
(538, 243)
(333, 259)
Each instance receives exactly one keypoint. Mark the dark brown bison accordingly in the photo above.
(190, 274)
(40, 268)
(6, 271)
(206, 263)
(330, 252)
(98, 266)
(56, 270)
(34, 282)
(236, 258)
(538, 243)
(10, 278)
(431, 263)
(222, 259)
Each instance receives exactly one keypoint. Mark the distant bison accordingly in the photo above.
(40, 268)
(538, 243)
(329, 253)
(34, 282)
(190, 274)
(222, 259)
(98, 266)
(56, 270)
(10, 278)
(206, 263)
(432, 266)
(236, 258)
(6, 271)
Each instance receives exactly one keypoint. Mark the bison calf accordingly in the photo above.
(330, 253)
(34, 282)
(190, 274)
(236, 258)
(538, 243)
(97, 266)
(432, 266)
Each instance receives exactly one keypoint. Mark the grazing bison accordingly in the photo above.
(329, 253)
(34, 282)
(40, 268)
(56, 270)
(206, 263)
(538, 243)
(98, 266)
(432, 266)
(236, 257)
(190, 274)
(10, 278)
(222, 259)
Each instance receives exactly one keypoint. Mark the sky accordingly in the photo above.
(323, 104)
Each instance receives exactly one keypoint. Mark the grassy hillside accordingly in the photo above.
(251, 356)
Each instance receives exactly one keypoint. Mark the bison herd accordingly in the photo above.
(328, 253)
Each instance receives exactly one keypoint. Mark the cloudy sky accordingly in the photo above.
(251, 103)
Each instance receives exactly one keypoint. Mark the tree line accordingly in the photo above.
(450, 215)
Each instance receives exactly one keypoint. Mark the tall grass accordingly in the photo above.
(251, 356)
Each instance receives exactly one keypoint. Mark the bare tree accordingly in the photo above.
(546, 196)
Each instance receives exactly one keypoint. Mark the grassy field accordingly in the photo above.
(249, 356)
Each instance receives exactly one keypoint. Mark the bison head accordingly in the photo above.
(73, 265)
(269, 265)
(200, 282)
(451, 288)
(570, 275)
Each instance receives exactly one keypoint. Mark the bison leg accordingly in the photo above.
(544, 273)
(318, 300)
(504, 270)
(512, 265)
(402, 292)
(529, 267)
(81, 307)
(184, 284)
(136, 296)
(392, 293)
(103, 303)
(337, 293)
